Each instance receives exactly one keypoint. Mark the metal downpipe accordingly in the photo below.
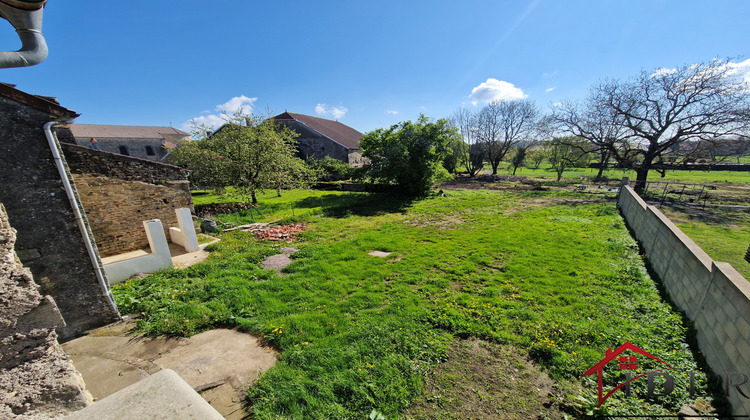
(26, 17)
(93, 255)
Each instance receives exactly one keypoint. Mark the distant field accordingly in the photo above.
(682, 176)
(723, 233)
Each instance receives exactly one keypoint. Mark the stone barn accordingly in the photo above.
(319, 137)
(144, 142)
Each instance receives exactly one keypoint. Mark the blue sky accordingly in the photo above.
(367, 64)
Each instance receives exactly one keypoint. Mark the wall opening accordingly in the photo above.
(150, 151)
(124, 151)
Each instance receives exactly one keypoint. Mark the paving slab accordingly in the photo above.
(219, 364)
(218, 356)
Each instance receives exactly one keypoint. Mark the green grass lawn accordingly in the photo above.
(557, 279)
(723, 233)
(271, 207)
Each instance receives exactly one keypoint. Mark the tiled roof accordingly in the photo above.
(334, 130)
(42, 103)
(125, 132)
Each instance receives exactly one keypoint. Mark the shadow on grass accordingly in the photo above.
(364, 204)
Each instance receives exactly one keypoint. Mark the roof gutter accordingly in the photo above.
(26, 17)
(76, 205)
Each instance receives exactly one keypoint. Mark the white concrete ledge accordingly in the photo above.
(163, 395)
(184, 235)
(159, 258)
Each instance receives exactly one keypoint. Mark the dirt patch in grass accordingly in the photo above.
(443, 222)
(551, 201)
(719, 216)
(500, 182)
(483, 380)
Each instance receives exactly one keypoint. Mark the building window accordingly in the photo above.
(150, 151)
(124, 151)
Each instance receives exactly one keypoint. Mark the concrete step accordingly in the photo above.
(163, 395)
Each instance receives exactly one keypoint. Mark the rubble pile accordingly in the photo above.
(271, 233)
(281, 233)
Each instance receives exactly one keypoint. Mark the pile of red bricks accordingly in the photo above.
(280, 233)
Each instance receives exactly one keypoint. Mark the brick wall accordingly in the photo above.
(712, 294)
(37, 378)
(120, 192)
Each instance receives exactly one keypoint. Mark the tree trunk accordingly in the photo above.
(602, 165)
(254, 198)
(641, 177)
(514, 170)
(495, 164)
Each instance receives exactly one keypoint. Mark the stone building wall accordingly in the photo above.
(135, 147)
(37, 378)
(120, 192)
(49, 240)
(320, 147)
(713, 294)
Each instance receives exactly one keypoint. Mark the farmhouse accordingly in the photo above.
(319, 137)
(150, 143)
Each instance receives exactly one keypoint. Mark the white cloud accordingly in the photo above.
(742, 69)
(391, 112)
(221, 113)
(550, 89)
(238, 103)
(336, 112)
(495, 90)
(663, 72)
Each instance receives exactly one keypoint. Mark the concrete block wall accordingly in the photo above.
(712, 294)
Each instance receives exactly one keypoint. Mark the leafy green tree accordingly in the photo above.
(409, 154)
(535, 157)
(518, 159)
(566, 152)
(248, 153)
(330, 169)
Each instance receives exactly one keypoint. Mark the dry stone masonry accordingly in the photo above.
(37, 379)
(49, 241)
(120, 192)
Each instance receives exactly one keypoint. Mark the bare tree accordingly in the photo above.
(504, 124)
(565, 153)
(594, 122)
(470, 153)
(658, 111)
